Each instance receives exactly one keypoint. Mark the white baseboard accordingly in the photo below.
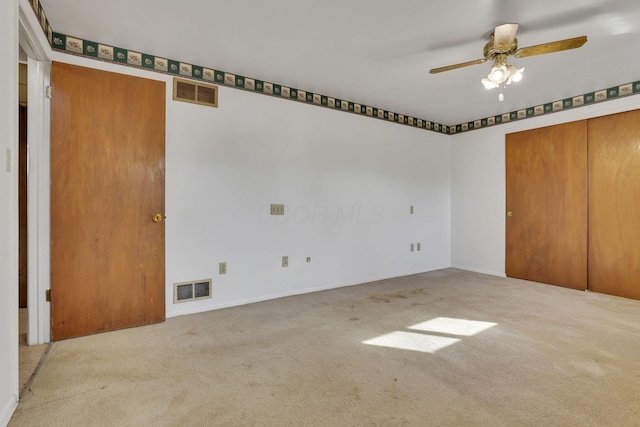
(479, 270)
(7, 410)
(261, 298)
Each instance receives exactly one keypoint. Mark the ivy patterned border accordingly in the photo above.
(123, 56)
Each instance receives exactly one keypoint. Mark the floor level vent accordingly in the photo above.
(191, 291)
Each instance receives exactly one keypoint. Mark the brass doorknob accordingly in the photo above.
(157, 218)
(509, 213)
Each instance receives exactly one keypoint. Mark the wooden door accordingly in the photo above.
(107, 181)
(614, 204)
(546, 198)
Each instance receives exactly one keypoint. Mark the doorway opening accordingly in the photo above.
(28, 356)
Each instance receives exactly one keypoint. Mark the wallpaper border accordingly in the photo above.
(123, 56)
(42, 19)
(590, 98)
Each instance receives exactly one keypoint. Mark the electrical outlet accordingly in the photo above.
(418, 247)
(412, 247)
(285, 261)
(277, 209)
(222, 268)
(308, 259)
(411, 209)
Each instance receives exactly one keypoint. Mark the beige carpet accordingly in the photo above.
(486, 351)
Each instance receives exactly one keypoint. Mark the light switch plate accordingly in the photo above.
(222, 268)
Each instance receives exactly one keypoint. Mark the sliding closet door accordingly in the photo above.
(614, 204)
(546, 193)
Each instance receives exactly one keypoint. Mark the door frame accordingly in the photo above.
(35, 44)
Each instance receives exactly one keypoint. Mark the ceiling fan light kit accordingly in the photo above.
(503, 43)
(501, 72)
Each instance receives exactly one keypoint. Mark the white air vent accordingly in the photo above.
(191, 291)
(196, 93)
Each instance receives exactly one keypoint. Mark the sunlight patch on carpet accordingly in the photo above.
(412, 341)
(447, 325)
(427, 343)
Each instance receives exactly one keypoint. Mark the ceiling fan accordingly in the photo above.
(503, 43)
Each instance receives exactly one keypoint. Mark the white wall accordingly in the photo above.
(346, 181)
(8, 210)
(478, 185)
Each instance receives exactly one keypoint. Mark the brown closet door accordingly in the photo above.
(107, 182)
(614, 204)
(546, 194)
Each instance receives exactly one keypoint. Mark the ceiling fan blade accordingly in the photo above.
(503, 37)
(551, 47)
(453, 67)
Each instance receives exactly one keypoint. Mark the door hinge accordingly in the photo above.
(49, 92)
(47, 294)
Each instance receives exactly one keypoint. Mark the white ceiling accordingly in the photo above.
(376, 52)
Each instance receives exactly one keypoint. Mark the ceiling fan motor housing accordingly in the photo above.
(490, 52)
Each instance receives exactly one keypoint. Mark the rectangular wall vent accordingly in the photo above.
(191, 291)
(196, 93)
